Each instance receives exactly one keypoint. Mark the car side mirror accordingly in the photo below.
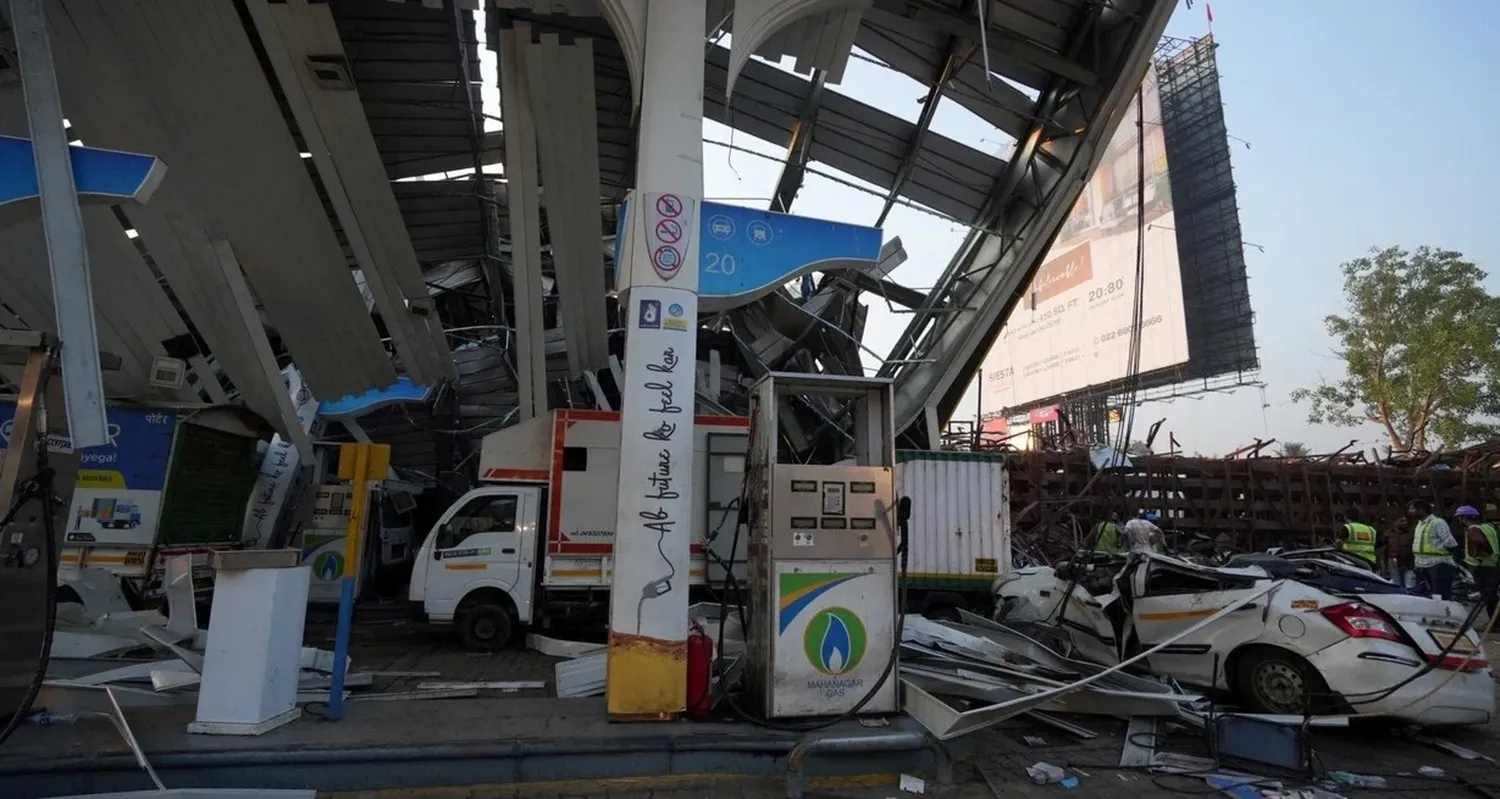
(443, 539)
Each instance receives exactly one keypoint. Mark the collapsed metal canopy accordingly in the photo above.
(1061, 69)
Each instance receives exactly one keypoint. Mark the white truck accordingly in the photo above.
(534, 543)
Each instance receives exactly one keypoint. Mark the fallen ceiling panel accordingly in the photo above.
(420, 127)
(123, 288)
(133, 314)
(212, 293)
(220, 130)
(107, 101)
(303, 47)
(563, 111)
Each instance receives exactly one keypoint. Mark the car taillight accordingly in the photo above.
(1464, 663)
(1359, 620)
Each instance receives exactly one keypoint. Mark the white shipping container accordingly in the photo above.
(960, 522)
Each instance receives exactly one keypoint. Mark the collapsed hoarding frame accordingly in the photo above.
(946, 723)
(1256, 503)
(1215, 300)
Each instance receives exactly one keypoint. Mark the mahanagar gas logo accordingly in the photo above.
(835, 641)
(329, 566)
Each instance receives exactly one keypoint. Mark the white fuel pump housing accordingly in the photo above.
(822, 562)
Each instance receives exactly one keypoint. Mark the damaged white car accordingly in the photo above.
(1332, 637)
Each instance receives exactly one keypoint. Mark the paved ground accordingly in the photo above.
(400, 645)
(1004, 757)
(1001, 753)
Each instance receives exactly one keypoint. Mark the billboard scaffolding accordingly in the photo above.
(1215, 289)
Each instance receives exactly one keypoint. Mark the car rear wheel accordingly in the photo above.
(1273, 681)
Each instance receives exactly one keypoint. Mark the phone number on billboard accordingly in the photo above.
(1125, 331)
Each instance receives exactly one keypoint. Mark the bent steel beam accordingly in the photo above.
(62, 221)
(940, 351)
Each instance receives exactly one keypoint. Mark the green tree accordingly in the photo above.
(1419, 344)
(1292, 449)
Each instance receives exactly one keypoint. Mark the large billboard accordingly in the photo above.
(1073, 328)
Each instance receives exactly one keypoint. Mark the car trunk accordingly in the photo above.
(1432, 625)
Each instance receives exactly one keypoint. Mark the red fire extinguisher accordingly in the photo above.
(700, 655)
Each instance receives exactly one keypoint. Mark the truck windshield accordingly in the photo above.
(491, 514)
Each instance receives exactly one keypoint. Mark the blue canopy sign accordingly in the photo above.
(745, 253)
(353, 406)
(107, 176)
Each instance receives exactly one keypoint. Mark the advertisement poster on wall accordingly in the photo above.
(1073, 326)
(117, 492)
(279, 467)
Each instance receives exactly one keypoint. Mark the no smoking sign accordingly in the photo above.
(669, 231)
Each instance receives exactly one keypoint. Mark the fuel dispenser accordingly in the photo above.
(822, 551)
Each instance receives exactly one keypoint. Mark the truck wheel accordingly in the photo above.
(484, 628)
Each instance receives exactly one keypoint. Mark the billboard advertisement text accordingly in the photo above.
(1073, 327)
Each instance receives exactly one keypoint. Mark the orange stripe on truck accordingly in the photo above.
(531, 475)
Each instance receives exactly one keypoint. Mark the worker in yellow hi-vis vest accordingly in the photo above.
(1433, 548)
(1105, 537)
(1359, 538)
(1481, 552)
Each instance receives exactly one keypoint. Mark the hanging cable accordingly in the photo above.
(1133, 352)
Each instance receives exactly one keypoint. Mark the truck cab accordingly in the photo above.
(478, 565)
(535, 542)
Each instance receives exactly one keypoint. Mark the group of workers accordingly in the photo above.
(1435, 549)
(1140, 534)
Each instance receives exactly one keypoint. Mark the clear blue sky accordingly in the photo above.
(1369, 125)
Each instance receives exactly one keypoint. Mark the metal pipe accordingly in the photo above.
(873, 742)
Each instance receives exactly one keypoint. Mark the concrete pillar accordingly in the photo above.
(658, 283)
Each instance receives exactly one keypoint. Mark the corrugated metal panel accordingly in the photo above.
(960, 512)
